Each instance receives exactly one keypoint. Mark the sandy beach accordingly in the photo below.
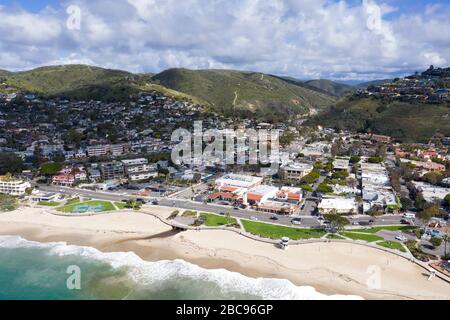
(331, 268)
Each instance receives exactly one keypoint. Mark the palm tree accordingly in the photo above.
(445, 238)
(228, 217)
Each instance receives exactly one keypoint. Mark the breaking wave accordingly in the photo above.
(147, 273)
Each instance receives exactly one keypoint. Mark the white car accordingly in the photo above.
(254, 218)
(296, 221)
(401, 237)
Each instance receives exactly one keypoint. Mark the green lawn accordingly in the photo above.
(72, 200)
(361, 236)
(266, 230)
(48, 203)
(107, 206)
(387, 228)
(120, 205)
(334, 237)
(213, 220)
(392, 245)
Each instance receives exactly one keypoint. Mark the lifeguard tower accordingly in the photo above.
(284, 243)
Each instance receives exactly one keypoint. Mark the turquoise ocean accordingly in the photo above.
(36, 271)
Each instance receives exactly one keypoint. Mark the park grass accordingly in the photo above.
(392, 245)
(72, 201)
(120, 205)
(361, 236)
(48, 203)
(107, 206)
(374, 230)
(213, 220)
(335, 237)
(266, 230)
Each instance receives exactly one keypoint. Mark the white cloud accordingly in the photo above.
(301, 38)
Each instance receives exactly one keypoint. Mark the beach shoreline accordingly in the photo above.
(331, 268)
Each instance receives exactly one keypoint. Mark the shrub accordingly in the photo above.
(436, 242)
(375, 159)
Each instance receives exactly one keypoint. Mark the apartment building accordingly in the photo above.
(296, 171)
(107, 149)
(13, 186)
(139, 169)
(112, 170)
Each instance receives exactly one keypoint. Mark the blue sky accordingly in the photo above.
(341, 40)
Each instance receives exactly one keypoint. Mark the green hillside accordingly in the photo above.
(245, 93)
(404, 121)
(332, 87)
(84, 82)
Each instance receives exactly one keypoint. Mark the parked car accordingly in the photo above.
(296, 221)
(407, 222)
(253, 218)
(401, 237)
(409, 215)
(275, 218)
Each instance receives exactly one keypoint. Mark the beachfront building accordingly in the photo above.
(260, 194)
(278, 207)
(39, 196)
(376, 188)
(13, 186)
(112, 171)
(295, 171)
(139, 169)
(239, 180)
(338, 205)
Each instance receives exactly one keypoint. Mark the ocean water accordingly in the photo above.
(31, 270)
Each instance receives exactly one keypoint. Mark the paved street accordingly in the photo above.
(307, 220)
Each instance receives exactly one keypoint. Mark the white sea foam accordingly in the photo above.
(145, 272)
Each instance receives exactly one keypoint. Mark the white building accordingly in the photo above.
(341, 164)
(239, 180)
(340, 205)
(295, 171)
(12, 186)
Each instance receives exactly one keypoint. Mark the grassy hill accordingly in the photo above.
(227, 92)
(404, 121)
(245, 93)
(84, 82)
(332, 87)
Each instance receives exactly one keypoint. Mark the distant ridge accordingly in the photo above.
(234, 92)
(332, 87)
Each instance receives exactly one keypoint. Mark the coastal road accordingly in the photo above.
(307, 221)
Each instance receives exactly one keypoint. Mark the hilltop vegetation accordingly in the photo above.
(332, 87)
(83, 82)
(245, 93)
(231, 93)
(407, 122)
